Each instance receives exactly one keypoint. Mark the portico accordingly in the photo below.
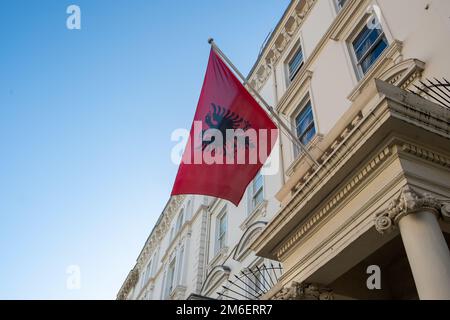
(381, 197)
(417, 217)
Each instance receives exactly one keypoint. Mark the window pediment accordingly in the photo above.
(403, 73)
(243, 246)
(216, 276)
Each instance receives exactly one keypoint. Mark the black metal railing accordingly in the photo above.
(252, 283)
(437, 91)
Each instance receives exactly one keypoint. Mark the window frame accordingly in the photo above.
(357, 32)
(180, 221)
(252, 193)
(221, 239)
(172, 234)
(179, 271)
(297, 47)
(148, 271)
(306, 101)
(171, 269)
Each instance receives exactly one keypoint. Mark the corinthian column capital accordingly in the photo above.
(409, 201)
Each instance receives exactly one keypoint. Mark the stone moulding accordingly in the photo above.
(128, 285)
(391, 102)
(314, 220)
(160, 230)
(409, 201)
(283, 36)
(216, 276)
(406, 147)
(303, 291)
(426, 154)
(242, 248)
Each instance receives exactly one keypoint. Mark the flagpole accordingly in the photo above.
(287, 130)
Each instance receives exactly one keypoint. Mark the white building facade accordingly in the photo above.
(340, 74)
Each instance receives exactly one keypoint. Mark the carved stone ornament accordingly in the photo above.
(129, 284)
(160, 230)
(409, 201)
(445, 211)
(275, 50)
(304, 291)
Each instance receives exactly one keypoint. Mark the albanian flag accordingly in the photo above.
(230, 139)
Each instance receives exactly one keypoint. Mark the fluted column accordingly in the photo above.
(416, 216)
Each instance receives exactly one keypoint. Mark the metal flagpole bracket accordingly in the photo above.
(269, 108)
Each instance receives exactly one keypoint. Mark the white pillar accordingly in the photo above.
(416, 215)
(428, 254)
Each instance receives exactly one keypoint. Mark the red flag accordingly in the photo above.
(229, 131)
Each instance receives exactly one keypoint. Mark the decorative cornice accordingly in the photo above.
(356, 180)
(129, 284)
(304, 291)
(157, 234)
(392, 103)
(279, 41)
(160, 230)
(315, 219)
(426, 154)
(178, 293)
(409, 201)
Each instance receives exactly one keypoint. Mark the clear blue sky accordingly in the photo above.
(85, 123)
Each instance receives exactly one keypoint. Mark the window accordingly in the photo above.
(180, 221)
(256, 192)
(340, 4)
(155, 261)
(256, 284)
(368, 45)
(170, 278)
(171, 234)
(148, 272)
(189, 210)
(221, 231)
(304, 124)
(180, 265)
(295, 63)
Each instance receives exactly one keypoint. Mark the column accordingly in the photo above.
(416, 216)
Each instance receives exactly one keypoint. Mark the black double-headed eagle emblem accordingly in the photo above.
(223, 120)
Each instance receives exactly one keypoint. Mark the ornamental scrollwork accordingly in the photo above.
(410, 201)
(304, 291)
